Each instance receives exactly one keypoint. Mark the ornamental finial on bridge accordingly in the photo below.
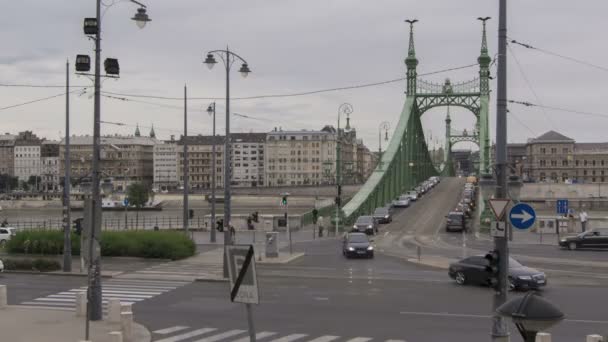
(411, 53)
(484, 40)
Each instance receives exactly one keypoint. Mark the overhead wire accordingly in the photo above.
(529, 84)
(555, 54)
(36, 100)
(572, 111)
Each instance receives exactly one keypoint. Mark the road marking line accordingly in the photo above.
(290, 338)
(52, 303)
(359, 339)
(105, 296)
(395, 341)
(105, 293)
(321, 298)
(193, 333)
(258, 336)
(326, 338)
(32, 305)
(170, 330)
(446, 314)
(221, 336)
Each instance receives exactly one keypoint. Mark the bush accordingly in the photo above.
(41, 265)
(146, 244)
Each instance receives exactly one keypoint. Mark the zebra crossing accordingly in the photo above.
(181, 333)
(128, 291)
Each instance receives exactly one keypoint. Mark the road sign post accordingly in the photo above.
(243, 280)
(522, 216)
(562, 206)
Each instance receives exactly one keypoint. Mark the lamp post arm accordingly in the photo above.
(138, 3)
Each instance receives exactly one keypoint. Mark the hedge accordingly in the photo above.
(41, 265)
(135, 243)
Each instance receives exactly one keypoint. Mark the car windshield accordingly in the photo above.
(357, 238)
(455, 216)
(365, 220)
(587, 233)
(381, 211)
(403, 198)
(514, 263)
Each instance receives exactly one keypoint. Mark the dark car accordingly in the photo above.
(383, 215)
(357, 245)
(594, 238)
(455, 222)
(468, 202)
(473, 270)
(365, 224)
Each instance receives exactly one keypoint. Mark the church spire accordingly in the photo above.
(411, 61)
(484, 60)
(152, 133)
(137, 133)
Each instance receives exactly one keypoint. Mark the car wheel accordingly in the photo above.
(572, 246)
(460, 278)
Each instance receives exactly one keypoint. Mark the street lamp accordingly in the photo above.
(531, 314)
(92, 28)
(228, 57)
(346, 109)
(383, 126)
(211, 111)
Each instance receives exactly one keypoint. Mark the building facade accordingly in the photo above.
(300, 158)
(200, 161)
(165, 166)
(50, 166)
(27, 157)
(124, 160)
(553, 157)
(7, 154)
(247, 158)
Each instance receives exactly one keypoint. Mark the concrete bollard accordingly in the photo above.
(2, 296)
(126, 308)
(114, 310)
(81, 304)
(115, 336)
(543, 337)
(126, 322)
(594, 338)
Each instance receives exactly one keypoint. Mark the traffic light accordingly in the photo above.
(256, 217)
(492, 268)
(220, 225)
(338, 201)
(191, 213)
(78, 226)
(284, 201)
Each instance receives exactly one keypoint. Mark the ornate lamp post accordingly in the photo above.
(228, 58)
(211, 111)
(346, 109)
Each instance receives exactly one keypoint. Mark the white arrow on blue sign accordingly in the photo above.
(522, 216)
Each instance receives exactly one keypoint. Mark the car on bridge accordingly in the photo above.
(474, 270)
(357, 245)
(6, 233)
(594, 238)
(412, 194)
(366, 224)
(383, 215)
(402, 201)
(455, 222)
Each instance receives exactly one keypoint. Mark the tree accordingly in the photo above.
(34, 181)
(138, 195)
(8, 183)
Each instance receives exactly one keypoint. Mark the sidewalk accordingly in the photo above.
(19, 324)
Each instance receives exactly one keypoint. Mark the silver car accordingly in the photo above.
(402, 201)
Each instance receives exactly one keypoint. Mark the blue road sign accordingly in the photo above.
(522, 216)
(126, 202)
(562, 206)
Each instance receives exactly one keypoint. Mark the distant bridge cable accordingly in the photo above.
(529, 104)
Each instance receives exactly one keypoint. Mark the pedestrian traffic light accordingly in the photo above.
(191, 214)
(78, 226)
(315, 215)
(284, 201)
(492, 268)
(256, 217)
(338, 201)
(220, 225)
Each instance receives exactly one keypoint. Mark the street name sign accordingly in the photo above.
(562, 206)
(522, 216)
(498, 206)
(498, 229)
(242, 274)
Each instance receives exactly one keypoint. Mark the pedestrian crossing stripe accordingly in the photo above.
(179, 333)
(126, 291)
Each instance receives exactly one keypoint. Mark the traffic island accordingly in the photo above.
(283, 258)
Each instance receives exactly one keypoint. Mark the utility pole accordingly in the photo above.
(67, 220)
(499, 328)
(186, 164)
(211, 110)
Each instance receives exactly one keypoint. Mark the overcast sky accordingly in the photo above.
(296, 46)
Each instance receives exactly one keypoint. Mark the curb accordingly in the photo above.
(291, 258)
(211, 280)
(59, 273)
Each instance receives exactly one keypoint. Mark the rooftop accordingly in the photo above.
(551, 136)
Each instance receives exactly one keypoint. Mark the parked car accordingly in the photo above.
(357, 245)
(402, 201)
(383, 215)
(463, 208)
(456, 222)
(6, 233)
(421, 190)
(594, 238)
(412, 194)
(366, 224)
(468, 202)
(1, 266)
(473, 270)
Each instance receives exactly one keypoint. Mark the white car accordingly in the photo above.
(413, 195)
(6, 233)
(402, 201)
(1, 266)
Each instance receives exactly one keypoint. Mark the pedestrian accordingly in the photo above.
(321, 222)
(584, 217)
(232, 233)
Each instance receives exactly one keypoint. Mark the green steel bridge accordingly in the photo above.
(406, 161)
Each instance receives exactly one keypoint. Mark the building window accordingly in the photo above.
(577, 162)
(553, 150)
(554, 176)
(564, 177)
(593, 179)
(593, 172)
(565, 150)
(584, 162)
(584, 172)
(542, 176)
(554, 163)
(593, 163)
(543, 150)
(564, 163)
(543, 163)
